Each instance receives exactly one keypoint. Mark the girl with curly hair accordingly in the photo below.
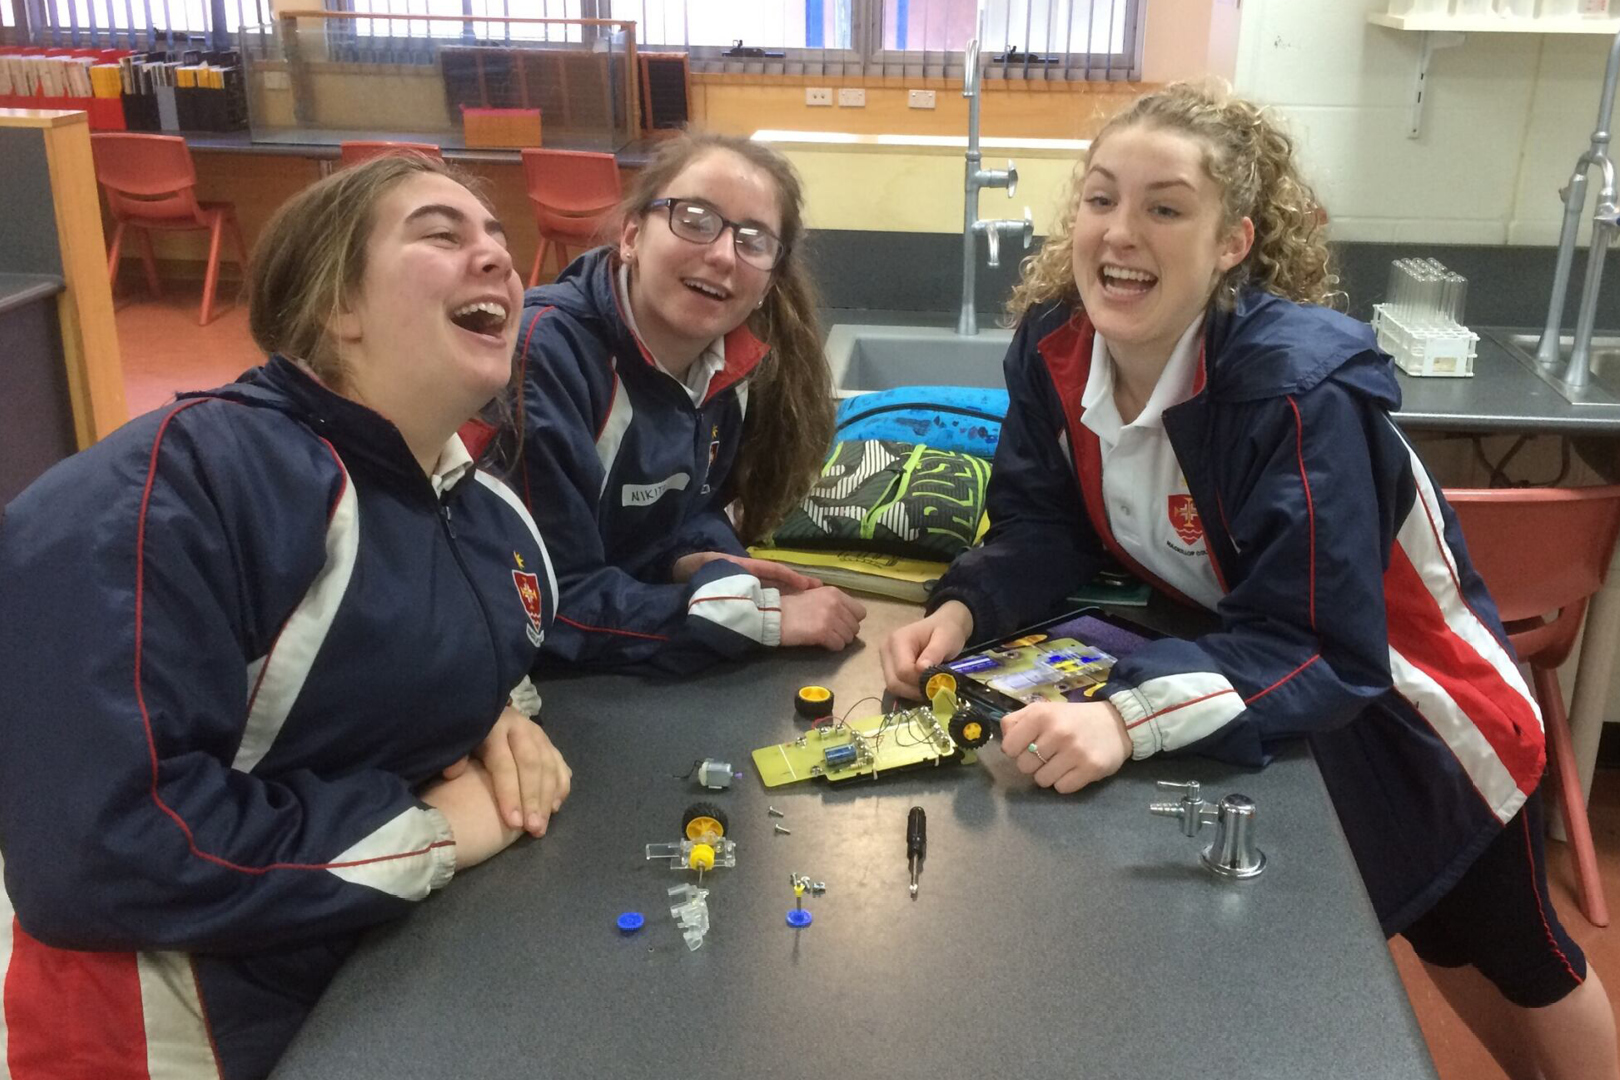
(1184, 399)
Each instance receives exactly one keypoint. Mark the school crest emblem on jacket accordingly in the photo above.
(1185, 520)
(528, 588)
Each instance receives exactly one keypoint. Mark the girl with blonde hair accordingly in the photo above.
(1183, 399)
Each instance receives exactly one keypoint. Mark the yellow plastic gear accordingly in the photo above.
(972, 730)
(939, 682)
(700, 827)
(702, 857)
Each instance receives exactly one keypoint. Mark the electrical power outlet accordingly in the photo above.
(855, 98)
(920, 99)
(818, 95)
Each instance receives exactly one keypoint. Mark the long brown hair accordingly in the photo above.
(1251, 160)
(790, 409)
(311, 258)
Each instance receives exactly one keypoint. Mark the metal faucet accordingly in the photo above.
(1605, 223)
(967, 322)
(1232, 853)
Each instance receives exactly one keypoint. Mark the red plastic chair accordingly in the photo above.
(151, 184)
(575, 195)
(354, 151)
(1544, 552)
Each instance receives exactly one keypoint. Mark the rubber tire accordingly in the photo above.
(702, 810)
(959, 722)
(815, 706)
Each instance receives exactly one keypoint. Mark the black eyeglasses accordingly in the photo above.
(700, 224)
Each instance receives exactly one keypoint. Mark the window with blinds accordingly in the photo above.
(1024, 39)
(135, 24)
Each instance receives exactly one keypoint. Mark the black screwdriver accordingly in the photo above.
(916, 843)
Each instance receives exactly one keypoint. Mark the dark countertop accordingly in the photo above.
(19, 289)
(632, 155)
(1503, 396)
(1052, 935)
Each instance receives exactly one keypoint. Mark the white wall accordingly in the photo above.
(1504, 119)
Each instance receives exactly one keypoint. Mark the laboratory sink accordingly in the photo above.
(1604, 389)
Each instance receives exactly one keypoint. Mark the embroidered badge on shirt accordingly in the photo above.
(1185, 520)
(528, 587)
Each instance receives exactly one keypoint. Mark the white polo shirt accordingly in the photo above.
(1144, 492)
(703, 369)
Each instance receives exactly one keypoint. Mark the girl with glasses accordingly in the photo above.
(1183, 399)
(675, 405)
(228, 744)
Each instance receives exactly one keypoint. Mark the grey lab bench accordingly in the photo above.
(1052, 935)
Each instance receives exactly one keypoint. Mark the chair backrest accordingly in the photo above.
(146, 176)
(572, 182)
(1540, 550)
(354, 151)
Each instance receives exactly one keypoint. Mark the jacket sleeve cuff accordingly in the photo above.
(444, 850)
(1134, 709)
(770, 630)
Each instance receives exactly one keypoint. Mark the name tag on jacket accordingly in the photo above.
(647, 494)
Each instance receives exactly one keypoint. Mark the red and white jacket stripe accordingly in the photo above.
(239, 632)
(1351, 615)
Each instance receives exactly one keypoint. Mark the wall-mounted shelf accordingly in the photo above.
(1441, 31)
(1494, 24)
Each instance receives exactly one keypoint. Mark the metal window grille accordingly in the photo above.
(1024, 39)
(134, 24)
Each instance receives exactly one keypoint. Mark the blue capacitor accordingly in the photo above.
(839, 756)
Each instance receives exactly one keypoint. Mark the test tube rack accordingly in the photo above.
(1420, 324)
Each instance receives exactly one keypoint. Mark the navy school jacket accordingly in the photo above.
(626, 475)
(1351, 614)
(234, 636)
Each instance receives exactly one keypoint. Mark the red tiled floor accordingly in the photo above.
(164, 350)
(1457, 1055)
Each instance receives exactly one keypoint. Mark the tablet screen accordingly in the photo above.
(1066, 661)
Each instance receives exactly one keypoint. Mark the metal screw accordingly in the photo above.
(774, 812)
(784, 832)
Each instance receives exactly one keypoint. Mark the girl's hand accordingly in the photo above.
(529, 777)
(918, 646)
(1081, 743)
(826, 617)
(772, 574)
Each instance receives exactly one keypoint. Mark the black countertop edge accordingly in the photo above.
(17, 290)
(632, 155)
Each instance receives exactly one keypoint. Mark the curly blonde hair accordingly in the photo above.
(1251, 160)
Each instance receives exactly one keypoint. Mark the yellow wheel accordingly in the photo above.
(702, 857)
(967, 730)
(939, 682)
(703, 820)
(813, 702)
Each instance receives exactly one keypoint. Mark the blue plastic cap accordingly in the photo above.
(630, 922)
(798, 918)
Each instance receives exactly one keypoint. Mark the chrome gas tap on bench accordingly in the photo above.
(1605, 223)
(993, 229)
(1232, 853)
